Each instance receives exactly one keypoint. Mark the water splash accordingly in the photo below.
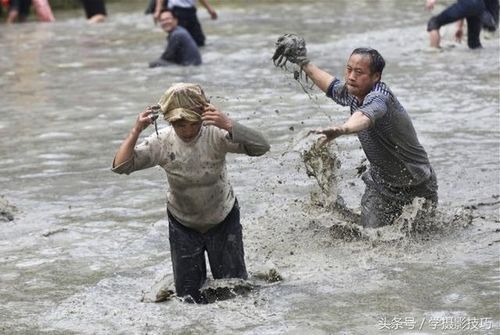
(418, 220)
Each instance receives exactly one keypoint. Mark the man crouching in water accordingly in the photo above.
(181, 48)
(203, 212)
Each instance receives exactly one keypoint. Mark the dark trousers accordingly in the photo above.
(379, 206)
(189, 20)
(224, 247)
(22, 6)
(94, 7)
(493, 7)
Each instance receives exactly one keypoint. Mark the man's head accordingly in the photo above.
(364, 69)
(168, 20)
(183, 101)
(182, 105)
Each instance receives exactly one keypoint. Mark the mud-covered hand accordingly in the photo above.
(291, 48)
(144, 119)
(126, 150)
(212, 116)
(329, 133)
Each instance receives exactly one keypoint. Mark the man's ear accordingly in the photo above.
(377, 76)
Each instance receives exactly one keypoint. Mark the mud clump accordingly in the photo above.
(7, 210)
(322, 163)
(347, 232)
(161, 291)
(214, 289)
(270, 276)
(164, 294)
(224, 289)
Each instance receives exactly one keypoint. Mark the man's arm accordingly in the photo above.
(126, 150)
(157, 10)
(211, 11)
(356, 123)
(429, 4)
(246, 140)
(321, 78)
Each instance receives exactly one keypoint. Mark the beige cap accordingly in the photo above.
(183, 101)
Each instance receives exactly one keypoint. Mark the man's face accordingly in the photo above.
(168, 22)
(186, 130)
(358, 76)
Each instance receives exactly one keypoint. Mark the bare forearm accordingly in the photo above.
(209, 8)
(356, 123)
(157, 10)
(321, 78)
(206, 4)
(158, 6)
(126, 150)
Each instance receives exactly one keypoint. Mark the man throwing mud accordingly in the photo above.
(399, 167)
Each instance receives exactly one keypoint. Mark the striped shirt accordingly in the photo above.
(397, 159)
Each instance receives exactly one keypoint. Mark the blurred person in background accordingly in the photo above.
(18, 10)
(95, 10)
(477, 13)
(185, 10)
(181, 48)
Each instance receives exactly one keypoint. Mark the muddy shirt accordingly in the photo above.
(397, 159)
(199, 195)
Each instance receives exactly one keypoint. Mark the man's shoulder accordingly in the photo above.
(381, 88)
(379, 91)
(181, 34)
(179, 30)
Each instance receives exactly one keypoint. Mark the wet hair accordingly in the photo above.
(169, 11)
(377, 62)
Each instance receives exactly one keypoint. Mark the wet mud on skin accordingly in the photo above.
(85, 245)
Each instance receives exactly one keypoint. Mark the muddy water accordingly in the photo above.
(86, 242)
